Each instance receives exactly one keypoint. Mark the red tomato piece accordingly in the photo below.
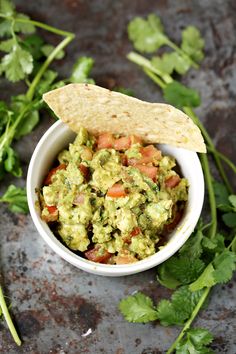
(105, 141)
(136, 231)
(84, 170)
(48, 179)
(51, 208)
(122, 143)
(149, 153)
(53, 214)
(116, 191)
(94, 256)
(149, 171)
(172, 181)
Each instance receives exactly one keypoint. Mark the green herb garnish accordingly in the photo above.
(208, 257)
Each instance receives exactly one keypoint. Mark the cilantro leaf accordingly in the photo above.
(220, 270)
(28, 124)
(147, 35)
(221, 195)
(12, 162)
(192, 43)
(195, 341)
(179, 95)
(170, 62)
(165, 63)
(165, 278)
(232, 199)
(5, 28)
(182, 64)
(206, 279)
(5, 113)
(17, 64)
(179, 270)
(216, 244)
(81, 70)
(33, 45)
(7, 7)
(6, 46)
(193, 247)
(47, 49)
(25, 28)
(16, 198)
(179, 309)
(138, 308)
(224, 265)
(46, 82)
(229, 219)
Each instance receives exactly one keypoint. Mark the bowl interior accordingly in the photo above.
(57, 137)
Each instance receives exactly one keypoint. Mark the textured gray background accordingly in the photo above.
(54, 304)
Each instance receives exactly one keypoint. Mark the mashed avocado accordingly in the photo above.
(113, 198)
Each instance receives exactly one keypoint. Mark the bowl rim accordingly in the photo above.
(106, 269)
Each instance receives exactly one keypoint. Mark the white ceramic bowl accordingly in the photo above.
(57, 137)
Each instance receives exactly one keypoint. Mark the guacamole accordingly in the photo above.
(113, 199)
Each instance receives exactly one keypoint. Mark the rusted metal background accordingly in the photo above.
(58, 308)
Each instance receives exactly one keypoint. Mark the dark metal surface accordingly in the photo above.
(58, 308)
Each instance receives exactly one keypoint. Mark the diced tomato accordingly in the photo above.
(51, 208)
(48, 179)
(172, 181)
(136, 231)
(87, 153)
(105, 141)
(135, 139)
(53, 214)
(149, 171)
(94, 256)
(116, 191)
(79, 199)
(149, 154)
(84, 170)
(122, 143)
(170, 227)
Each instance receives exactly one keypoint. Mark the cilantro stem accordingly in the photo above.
(211, 194)
(209, 141)
(145, 63)
(208, 179)
(154, 77)
(190, 320)
(51, 57)
(39, 24)
(9, 133)
(8, 318)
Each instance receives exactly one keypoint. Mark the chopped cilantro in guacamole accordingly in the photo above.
(113, 199)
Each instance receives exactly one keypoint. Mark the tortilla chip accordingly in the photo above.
(100, 110)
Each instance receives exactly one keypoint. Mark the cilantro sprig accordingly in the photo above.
(26, 57)
(16, 198)
(208, 258)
